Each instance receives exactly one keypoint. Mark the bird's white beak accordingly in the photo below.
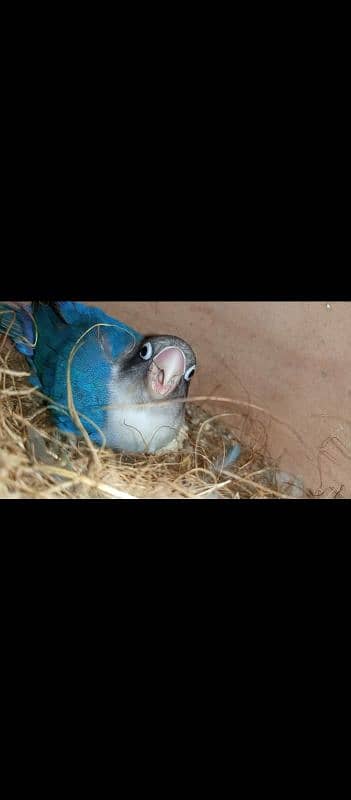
(166, 371)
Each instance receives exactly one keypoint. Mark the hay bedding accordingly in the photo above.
(37, 461)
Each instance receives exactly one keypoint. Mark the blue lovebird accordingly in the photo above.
(107, 367)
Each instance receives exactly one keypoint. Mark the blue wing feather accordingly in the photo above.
(91, 364)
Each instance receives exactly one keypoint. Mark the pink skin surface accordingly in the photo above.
(166, 371)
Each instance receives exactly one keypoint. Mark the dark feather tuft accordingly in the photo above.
(52, 304)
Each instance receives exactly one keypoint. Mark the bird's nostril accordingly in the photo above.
(161, 376)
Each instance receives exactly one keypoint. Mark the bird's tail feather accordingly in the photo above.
(17, 322)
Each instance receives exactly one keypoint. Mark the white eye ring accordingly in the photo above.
(189, 373)
(146, 351)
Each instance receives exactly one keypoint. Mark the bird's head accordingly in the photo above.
(162, 365)
(150, 370)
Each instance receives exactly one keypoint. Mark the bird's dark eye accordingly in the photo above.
(146, 351)
(188, 374)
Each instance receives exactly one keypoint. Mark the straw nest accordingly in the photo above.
(37, 461)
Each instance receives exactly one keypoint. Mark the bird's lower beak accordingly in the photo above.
(166, 371)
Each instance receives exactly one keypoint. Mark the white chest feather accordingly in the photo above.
(139, 429)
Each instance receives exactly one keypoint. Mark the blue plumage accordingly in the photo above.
(108, 364)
